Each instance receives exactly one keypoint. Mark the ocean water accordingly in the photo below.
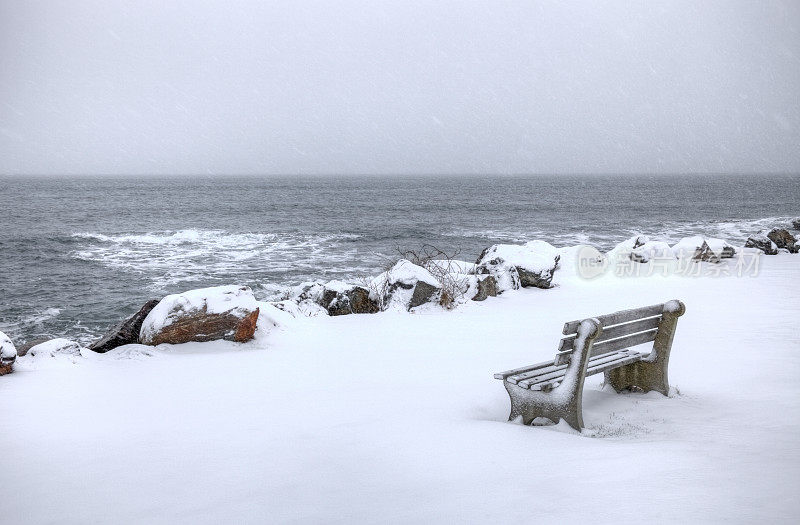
(77, 254)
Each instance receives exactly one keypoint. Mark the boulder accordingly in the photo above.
(339, 298)
(486, 287)
(8, 354)
(623, 250)
(54, 348)
(126, 332)
(308, 299)
(649, 250)
(506, 276)
(405, 285)
(701, 248)
(714, 250)
(534, 261)
(206, 314)
(22, 350)
(763, 243)
(783, 239)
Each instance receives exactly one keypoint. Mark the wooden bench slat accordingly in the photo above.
(615, 331)
(625, 342)
(559, 371)
(547, 367)
(625, 359)
(503, 375)
(611, 345)
(622, 316)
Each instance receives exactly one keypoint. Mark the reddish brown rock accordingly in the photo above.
(202, 326)
(206, 314)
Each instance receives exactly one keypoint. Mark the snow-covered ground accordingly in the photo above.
(395, 418)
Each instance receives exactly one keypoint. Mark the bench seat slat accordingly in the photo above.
(559, 371)
(615, 331)
(622, 316)
(625, 359)
(507, 373)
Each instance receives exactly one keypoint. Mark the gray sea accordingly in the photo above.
(79, 253)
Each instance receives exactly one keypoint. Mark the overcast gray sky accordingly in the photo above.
(399, 86)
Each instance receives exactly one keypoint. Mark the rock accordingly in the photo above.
(308, 298)
(22, 350)
(54, 348)
(125, 332)
(783, 239)
(206, 314)
(623, 250)
(423, 293)
(535, 262)
(701, 248)
(8, 354)
(405, 285)
(714, 250)
(505, 275)
(796, 224)
(763, 243)
(486, 287)
(647, 251)
(339, 298)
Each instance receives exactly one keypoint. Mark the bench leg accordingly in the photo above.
(530, 404)
(651, 373)
(564, 401)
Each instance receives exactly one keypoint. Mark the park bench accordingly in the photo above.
(553, 389)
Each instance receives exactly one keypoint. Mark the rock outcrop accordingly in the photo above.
(644, 252)
(207, 314)
(763, 243)
(8, 354)
(783, 240)
(486, 286)
(505, 274)
(405, 285)
(340, 298)
(55, 348)
(535, 262)
(126, 332)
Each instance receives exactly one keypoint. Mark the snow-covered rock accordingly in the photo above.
(405, 285)
(58, 347)
(340, 298)
(783, 239)
(623, 250)
(125, 332)
(505, 274)
(8, 354)
(535, 261)
(206, 314)
(485, 286)
(714, 250)
(796, 224)
(650, 250)
(762, 242)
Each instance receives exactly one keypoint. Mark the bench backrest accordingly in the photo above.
(620, 330)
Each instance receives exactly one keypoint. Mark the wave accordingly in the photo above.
(735, 231)
(172, 257)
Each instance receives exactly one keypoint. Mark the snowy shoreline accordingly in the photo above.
(401, 411)
(500, 268)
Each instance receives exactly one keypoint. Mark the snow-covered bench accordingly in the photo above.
(554, 389)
